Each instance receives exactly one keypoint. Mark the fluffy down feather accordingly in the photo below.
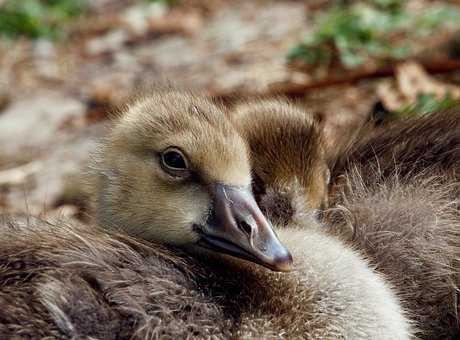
(72, 282)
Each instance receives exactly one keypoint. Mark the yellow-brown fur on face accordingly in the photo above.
(137, 195)
(289, 165)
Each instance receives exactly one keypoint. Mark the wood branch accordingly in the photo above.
(297, 90)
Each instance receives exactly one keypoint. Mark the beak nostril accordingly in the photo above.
(245, 227)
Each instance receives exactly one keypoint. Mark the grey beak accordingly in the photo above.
(239, 228)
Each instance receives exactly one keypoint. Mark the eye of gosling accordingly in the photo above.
(174, 162)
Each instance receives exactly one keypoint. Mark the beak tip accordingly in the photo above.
(284, 263)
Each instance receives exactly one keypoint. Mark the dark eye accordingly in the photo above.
(173, 159)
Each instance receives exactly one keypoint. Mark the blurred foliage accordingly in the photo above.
(357, 32)
(38, 18)
(426, 103)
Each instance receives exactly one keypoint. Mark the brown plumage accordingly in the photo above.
(70, 282)
(82, 281)
(411, 232)
(414, 145)
(393, 196)
(409, 148)
(67, 282)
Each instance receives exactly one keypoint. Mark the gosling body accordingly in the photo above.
(393, 196)
(175, 171)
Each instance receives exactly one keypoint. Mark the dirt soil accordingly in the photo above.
(55, 97)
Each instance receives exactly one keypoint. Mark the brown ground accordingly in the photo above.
(54, 97)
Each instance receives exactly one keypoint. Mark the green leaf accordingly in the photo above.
(357, 32)
(38, 18)
(427, 103)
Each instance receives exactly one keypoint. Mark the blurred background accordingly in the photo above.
(66, 64)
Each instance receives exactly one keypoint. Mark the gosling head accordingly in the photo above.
(291, 173)
(174, 170)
